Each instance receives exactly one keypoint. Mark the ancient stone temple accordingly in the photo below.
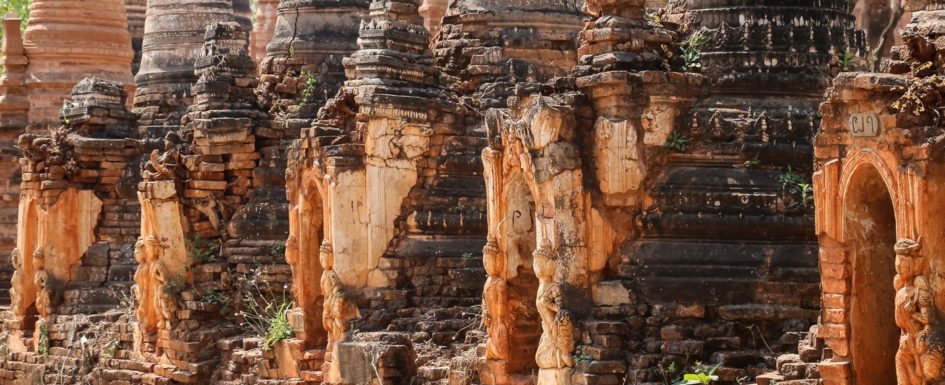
(877, 169)
(474, 192)
(302, 69)
(76, 217)
(41, 67)
(732, 195)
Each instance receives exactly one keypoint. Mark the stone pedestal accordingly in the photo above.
(66, 41)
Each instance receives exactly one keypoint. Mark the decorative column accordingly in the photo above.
(14, 110)
(263, 29)
(66, 41)
(433, 12)
(136, 14)
(173, 37)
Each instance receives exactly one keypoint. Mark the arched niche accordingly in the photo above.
(869, 228)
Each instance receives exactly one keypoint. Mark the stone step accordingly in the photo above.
(771, 378)
(426, 247)
(433, 373)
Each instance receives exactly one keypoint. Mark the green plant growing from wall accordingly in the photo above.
(795, 183)
(277, 250)
(42, 345)
(174, 285)
(201, 250)
(848, 61)
(701, 375)
(678, 142)
(581, 355)
(309, 87)
(692, 49)
(110, 349)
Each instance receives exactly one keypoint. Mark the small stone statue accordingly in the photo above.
(339, 307)
(921, 353)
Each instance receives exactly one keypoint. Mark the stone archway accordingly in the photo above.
(869, 228)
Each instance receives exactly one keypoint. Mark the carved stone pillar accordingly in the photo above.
(433, 12)
(136, 14)
(263, 29)
(368, 153)
(173, 36)
(14, 110)
(66, 41)
(538, 230)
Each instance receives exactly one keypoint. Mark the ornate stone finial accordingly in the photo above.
(394, 45)
(97, 110)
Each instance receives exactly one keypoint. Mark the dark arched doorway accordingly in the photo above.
(870, 233)
(520, 236)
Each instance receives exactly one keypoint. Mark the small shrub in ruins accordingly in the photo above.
(266, 313)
